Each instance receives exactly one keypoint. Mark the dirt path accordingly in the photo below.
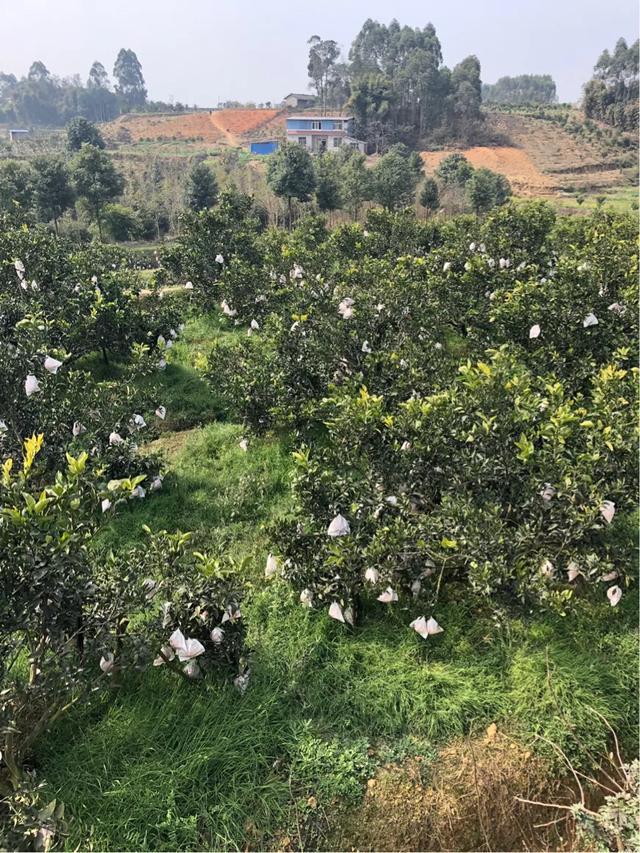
(216, 120)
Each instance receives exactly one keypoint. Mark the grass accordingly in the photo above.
(621, 199)
(166, 765)
(213, 488)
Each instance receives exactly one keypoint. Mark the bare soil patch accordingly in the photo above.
(231, 127)
(514, 163)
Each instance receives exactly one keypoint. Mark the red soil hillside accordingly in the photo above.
(514, 163)
(544, 158)
(232, 127)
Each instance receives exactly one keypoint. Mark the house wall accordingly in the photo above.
(293, 101)
(313, 141)
(332, 134)
(325, 124)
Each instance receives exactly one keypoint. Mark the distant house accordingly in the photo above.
(16, 133)
(263, 146)
(298, 102)
(322, 133)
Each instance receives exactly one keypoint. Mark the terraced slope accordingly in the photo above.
(567, 160)
(230, 127)
(543, 158)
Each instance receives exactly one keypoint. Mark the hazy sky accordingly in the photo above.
(203, 51)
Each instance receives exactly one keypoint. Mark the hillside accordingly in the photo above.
(221, 127)
(543, 159)
(568, 159)
(540, 156)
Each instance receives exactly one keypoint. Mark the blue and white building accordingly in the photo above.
(322, 133)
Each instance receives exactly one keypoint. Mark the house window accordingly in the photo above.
(337, 141)
(302, 140)
(316, 125)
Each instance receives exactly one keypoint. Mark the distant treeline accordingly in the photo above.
(611, 96)
(524, 89)
(41, 98)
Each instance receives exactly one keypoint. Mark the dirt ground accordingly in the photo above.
(514, 163)
(231, 127)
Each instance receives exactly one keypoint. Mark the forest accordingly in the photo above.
(612, 94)
(41, 98)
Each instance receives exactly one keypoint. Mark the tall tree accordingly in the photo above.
(322, 57)
(328, 182)
(38, 72)
(52, 190)
(338, 86)
(202, 188)
(466, 95)
(80, 131)
(128, 72)
(395, 177)
(355, 181)
(96, 180)
(611, 95)
(372, 103)
(290, 175)
(99, 103)
(98, 77)
(400, 91)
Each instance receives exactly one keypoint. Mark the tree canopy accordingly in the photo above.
(202, 188)
(395, 177)
(612, 93)
(81, 130)
(400, 90)
(290, 174)
(42, 98)
(322, 57)
(523, 89)
(130, 82)
(96, 180)
(52, 190)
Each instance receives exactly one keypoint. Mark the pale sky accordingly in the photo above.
(203, 51)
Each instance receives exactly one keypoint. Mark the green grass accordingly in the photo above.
(166, 765)
(618, 199)
(212, 488)
(621, 199)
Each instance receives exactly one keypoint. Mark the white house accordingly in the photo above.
(322, 133)
(298, 101)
